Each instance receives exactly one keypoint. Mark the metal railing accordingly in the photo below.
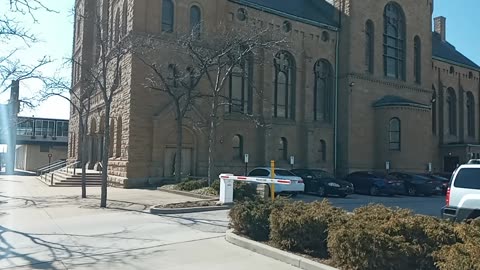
(46, 168)
(59, 167)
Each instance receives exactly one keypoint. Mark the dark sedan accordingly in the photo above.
(415, 184)
(441, 183)
(323, 183)
(374, 183)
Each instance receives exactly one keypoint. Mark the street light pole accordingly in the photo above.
(13, 108)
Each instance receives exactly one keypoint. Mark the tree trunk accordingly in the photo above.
(106, 154)
(178, 155)
(84, 160)
(211, 139)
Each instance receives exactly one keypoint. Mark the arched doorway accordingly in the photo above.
(187, 154)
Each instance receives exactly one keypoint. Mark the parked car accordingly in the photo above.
(447, 175)
(415, 184)
(463, 194)
(374, 183)
(296, 186)
(441, 183)
(323, 183)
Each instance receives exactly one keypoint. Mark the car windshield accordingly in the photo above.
(321, 174)
(283, 173)
(468, 178)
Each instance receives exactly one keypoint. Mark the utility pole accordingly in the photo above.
(13, 109)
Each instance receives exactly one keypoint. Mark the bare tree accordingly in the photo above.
(80, 101)
(217, 54)
(177, 77)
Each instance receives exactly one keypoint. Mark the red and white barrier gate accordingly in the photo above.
(226, 184)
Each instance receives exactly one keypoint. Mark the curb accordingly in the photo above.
(167, 211)
(186, 193)
(277, 254)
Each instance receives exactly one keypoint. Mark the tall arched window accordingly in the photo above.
(237, 143)
(470, 114)
(369, 45)
(434, 111)
(118, 146)
(124, 17)
(452, 111)
(323, 150)
(240, 88)
(394, 131)
(195, 21)
(284, 86)
(117, 27)
(167, 16)
(323, 91)
(394, 41)
(283, 149)
(417, 59)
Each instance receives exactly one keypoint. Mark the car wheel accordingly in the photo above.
(374, 191)
(321, 191)
(411, 191)
(343, 195)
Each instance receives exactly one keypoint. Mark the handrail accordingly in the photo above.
(46, 167)
(57, 167)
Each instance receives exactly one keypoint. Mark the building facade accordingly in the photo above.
(362, 85)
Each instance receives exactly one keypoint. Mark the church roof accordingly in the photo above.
(317, 12)
(446, 51)
(388, 101)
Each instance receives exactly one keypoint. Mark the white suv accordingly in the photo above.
(463, 194)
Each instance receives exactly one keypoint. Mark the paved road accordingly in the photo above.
(421, 205)
(51, 228)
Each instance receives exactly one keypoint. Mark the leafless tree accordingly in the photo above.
(218, 53)
(80, 102)
(176, 77)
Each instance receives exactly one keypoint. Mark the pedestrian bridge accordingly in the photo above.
(31, 131)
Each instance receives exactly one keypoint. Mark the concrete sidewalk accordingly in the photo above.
(52, 228)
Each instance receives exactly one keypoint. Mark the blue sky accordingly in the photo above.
(56, 30)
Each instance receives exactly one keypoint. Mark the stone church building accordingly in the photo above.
(363, 85)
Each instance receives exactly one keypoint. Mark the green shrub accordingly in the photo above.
(376, 237)
(192, 185)
(216, 185)
(304, 228)
(251, 218)
(244, 191)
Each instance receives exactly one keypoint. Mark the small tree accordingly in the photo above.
(216, 54)
(81, 104)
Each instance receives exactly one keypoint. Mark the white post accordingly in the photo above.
(226, 191)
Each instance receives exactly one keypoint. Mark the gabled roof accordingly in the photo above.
(388, 101)
(316, 12)
(446, 51)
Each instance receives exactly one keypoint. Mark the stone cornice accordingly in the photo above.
(392, 83)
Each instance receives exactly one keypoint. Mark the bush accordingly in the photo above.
(192, 185)
(244, 191)
(304, 228)
(462, 255)
(251, 218)
(376, 237)
(216, 185)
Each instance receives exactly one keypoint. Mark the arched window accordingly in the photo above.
(237, 143)
(283, 149)
(394, 131)
(434, 111)
(284, 86)
(323, 92)
(112, 138)
(117, 27)
(452, 111)
(118, 146)
(470, 114)
(323, 151)
(240, 88)
(124, 17)
(195, 21)
(417, 59)
(369, 45)
(394, 41)
(167, 16)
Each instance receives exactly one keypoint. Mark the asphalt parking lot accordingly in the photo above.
(421, 205)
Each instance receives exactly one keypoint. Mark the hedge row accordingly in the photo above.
(373, 237)
(241, 190)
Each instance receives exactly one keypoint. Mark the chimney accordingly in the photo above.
(440, 24)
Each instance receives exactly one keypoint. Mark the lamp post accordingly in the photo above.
(13, 108)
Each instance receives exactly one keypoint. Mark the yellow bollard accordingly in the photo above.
(272, 189)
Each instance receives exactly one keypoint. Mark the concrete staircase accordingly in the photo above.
(62, 178)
